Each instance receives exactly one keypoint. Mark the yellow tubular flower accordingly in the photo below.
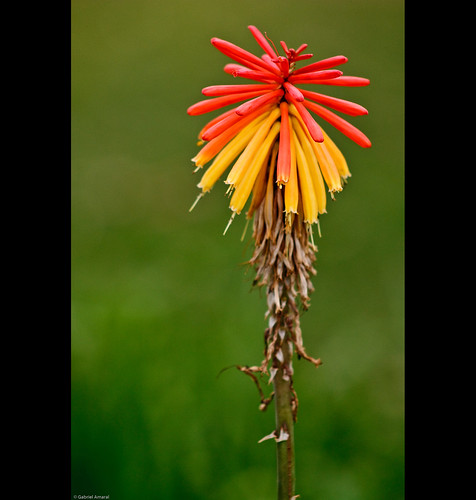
(260, 186)
(269, 200)
(328, 167)
(308, 193)
(291, 189)
(240, 168)
(228, 154)
(337, 156)
(313, 165)
(246, 182)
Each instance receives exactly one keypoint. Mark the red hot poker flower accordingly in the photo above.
(276, 119)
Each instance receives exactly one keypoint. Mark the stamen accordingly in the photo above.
(196, 201)
(318, 229)
(229, 223)
(262, 41)
(275, 49)
(244, 231)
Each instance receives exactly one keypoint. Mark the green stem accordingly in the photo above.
(283, 396)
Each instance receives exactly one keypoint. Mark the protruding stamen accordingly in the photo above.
(196, 201)
(229, 223)
(262, 42)
(243, 234)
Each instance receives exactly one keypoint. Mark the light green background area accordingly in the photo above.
(160, 299)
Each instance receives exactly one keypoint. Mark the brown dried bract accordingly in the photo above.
(283, 258)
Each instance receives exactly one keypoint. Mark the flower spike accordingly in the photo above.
(273, 114)
(278, 165)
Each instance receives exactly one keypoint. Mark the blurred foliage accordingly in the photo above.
(160, 299)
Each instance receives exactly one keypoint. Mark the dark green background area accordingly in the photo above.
(160, 300)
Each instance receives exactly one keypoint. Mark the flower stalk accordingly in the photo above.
(284, 406)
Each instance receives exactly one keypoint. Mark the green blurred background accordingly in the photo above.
(160, 300)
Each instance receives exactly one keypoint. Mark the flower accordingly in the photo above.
(270, 135)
